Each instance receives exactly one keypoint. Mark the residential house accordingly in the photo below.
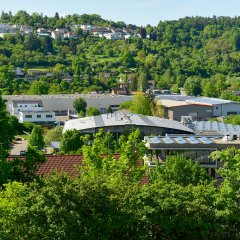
(19, 73)
(26, 29)
(100, 31)
(113, 36)
(70, 35)
(42, 32)
(59, 33)
(87, 28)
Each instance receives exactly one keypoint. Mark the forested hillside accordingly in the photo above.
(201, 54)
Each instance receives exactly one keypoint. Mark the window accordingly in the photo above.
(25, 105)
(217, 108)
(38, 116)
(20, 105)
(48, 116)
(231, 113)
(28, 116)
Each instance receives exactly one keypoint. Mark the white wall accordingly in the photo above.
(37, 117)
(226, 109)
(25, 107)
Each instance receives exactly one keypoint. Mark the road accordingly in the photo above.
(19, 146)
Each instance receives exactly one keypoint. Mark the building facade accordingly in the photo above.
(39, 117)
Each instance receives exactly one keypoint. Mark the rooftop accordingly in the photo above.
(189, 142)
(210, 101)
(201, 127)
(122, 118)
(59, 102)
(175, 103)
(67, 163)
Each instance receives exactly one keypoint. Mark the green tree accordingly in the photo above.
(38, 87)
(92, 111)
(21, 170)
(7, 127)
(192, 86)
(54, 134)
(179, 170)
(141, 105)
(71, 141)
(36, 139)
(80, 105)
(142, 82)
(229, 197)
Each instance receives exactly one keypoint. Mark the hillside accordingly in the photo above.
(201, 54)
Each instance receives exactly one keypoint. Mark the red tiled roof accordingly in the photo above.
(68, 164)
(65, 163)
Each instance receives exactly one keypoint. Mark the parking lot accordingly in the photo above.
(19, 146)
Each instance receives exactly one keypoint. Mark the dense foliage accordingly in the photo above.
(108, 200)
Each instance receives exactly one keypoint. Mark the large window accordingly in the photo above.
(48, 116)
(28, 116)
(38, 116)
(231, 113)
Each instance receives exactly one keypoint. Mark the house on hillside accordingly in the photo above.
(59, 33)
(70, 35)
(26, 29)
(42, 32)
(19, 73)
(100, 31)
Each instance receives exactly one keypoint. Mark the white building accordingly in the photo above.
(113, 36)
(37, 117)
(123, 122)
(220, 107)
(62, 104)
(17, 106)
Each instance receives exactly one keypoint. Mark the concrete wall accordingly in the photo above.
(198, 112)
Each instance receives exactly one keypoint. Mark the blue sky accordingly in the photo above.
(139, 12)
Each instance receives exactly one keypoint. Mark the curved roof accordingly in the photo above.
(121, 119)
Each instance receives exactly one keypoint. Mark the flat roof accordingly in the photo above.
(174, 97)
(210, 101)
(121, 119)
(15, 102)
(197, 142)
(175, 103)
(214, 126)
(193, 99)
(37, 112)
(64, 102)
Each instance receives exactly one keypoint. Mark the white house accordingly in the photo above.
(17, 106)
(26, 29)
(113, 36)
(59, 32)
(70, 35)
(37, 117)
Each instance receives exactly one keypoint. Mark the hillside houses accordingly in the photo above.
(64, 33)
